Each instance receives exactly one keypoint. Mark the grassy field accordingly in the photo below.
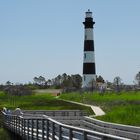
(38, 102)
(121, 108)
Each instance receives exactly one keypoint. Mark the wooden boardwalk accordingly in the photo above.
(96, 109)
(59, 125)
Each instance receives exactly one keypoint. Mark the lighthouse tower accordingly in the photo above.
(89, 72)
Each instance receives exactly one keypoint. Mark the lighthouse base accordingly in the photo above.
(89, 81)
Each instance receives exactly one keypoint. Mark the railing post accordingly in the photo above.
(20, 126)
(15, 124)
(74, 113)
(9, 122)
(84, 135)
(53, 131)
(70, 134)
(24, 128)
(47, 129)
(60, 132)
(27, 129)
(14, 117)
(42, 129)
(37, 129)
(20, 130)
(32, 132)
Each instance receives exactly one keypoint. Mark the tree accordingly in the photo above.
(64, 76)
(117, 80)
(137, 78)
(64, 80)
(39, 80)
(35, 80)
(70, 82)
(57, 81)
(18, 90)
(49, 82)
(76, 81)
(8, 83)
(100, 79)
(117, 83)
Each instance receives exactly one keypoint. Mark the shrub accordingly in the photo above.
(18, 90)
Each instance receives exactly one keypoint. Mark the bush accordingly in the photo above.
(18, 90)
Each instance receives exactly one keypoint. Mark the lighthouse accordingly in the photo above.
(89, 71)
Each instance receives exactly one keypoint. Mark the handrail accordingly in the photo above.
(44, 127)
(115, 125)
(87, 131)
(127, 131)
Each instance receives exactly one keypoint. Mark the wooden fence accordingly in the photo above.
(43, 127)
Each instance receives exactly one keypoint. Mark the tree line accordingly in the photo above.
(60, 81)
(67, 83)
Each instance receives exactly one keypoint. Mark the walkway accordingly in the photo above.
(65, 124)
(38, 125)
(96, 109)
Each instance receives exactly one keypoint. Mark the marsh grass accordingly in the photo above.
(129, 114)
(123, 108)
(38, 102)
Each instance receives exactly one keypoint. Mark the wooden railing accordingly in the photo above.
(127, 131)
(42, 127)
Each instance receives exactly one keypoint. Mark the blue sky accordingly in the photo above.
(45, 37)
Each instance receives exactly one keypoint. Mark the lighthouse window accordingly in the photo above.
(84, 78)
(85, 55)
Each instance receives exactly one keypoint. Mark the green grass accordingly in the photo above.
(110, 96)
(121, 108)
(129, 115)
(38, 102)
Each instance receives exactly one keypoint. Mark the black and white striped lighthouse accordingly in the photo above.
(89, 72)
